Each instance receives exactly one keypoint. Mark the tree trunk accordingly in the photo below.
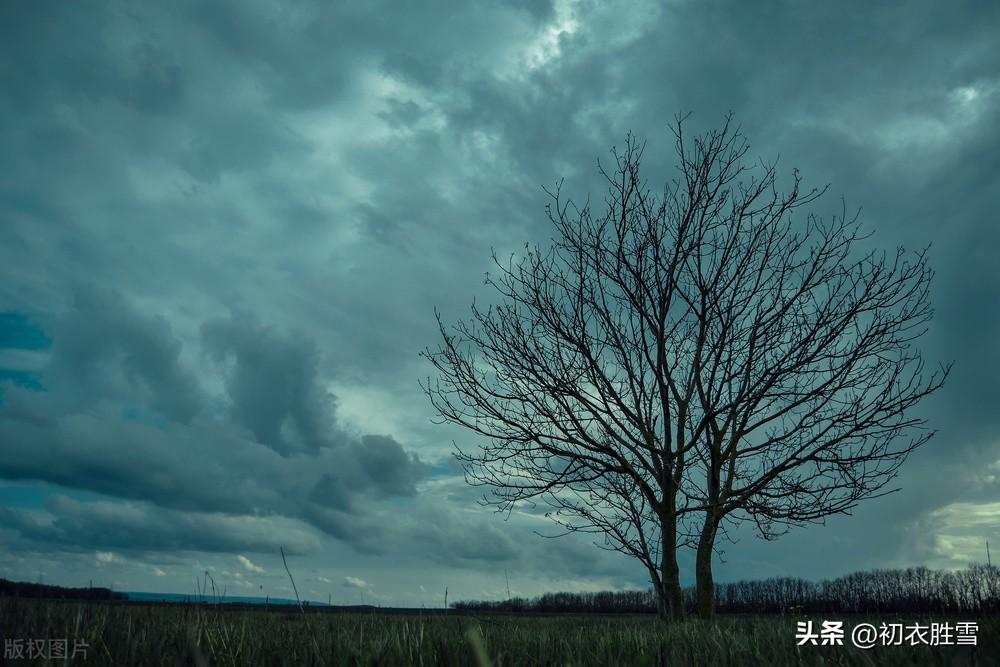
(705, 583)
(670, 596)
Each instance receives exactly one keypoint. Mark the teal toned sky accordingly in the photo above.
(224, 228)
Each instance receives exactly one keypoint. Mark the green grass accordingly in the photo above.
(122, 634)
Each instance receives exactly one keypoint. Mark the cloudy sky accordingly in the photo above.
(224, 228)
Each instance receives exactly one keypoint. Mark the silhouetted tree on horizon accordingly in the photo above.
(693, 353)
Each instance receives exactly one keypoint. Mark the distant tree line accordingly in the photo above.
(974, 590)
(24, 589)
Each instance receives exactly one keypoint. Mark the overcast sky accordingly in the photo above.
(224, 228)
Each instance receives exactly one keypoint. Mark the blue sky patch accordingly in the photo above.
(20, 333)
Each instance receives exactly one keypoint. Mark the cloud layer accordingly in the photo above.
(224, 229)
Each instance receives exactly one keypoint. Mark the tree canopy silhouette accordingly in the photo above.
(681, 362)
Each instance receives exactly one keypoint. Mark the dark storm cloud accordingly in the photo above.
(140, 527)
(122, 416)
(392, 470)
(453, 539)
(89, 62)
(273, 197)
(272, 386)
(101, 333)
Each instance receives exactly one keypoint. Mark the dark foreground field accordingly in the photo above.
(124, 634)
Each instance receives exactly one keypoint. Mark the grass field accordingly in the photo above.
(130, 634)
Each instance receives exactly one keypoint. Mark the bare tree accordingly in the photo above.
(802, 361)
(631, 375)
